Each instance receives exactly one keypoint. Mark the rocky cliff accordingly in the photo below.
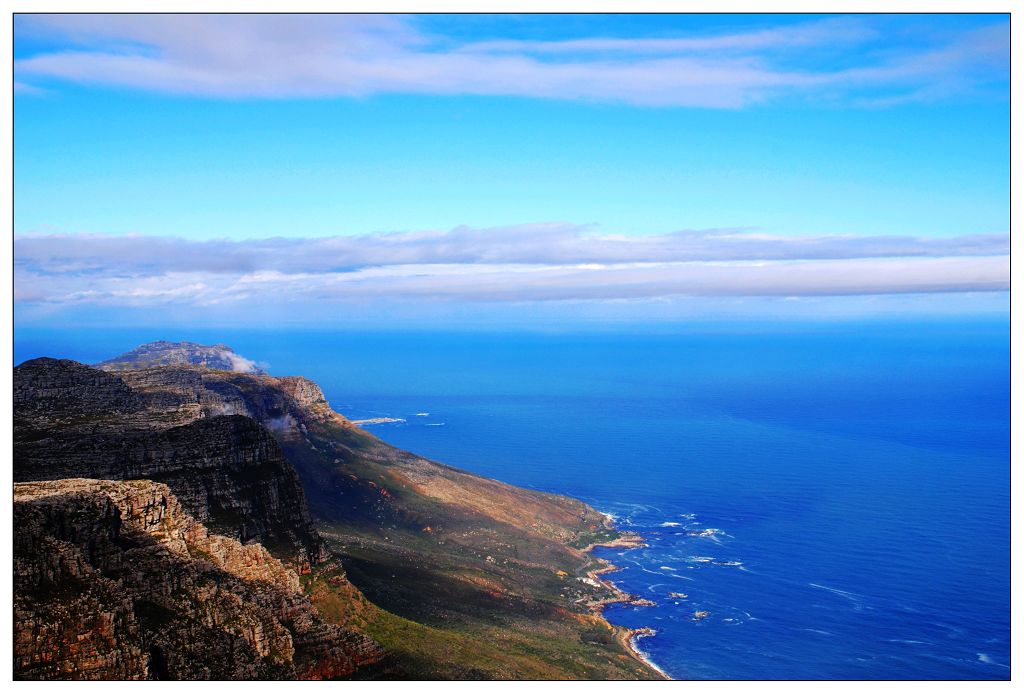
(115, 580)
(230, 472)
(54, 388)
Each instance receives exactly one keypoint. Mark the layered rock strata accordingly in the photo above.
(115, 580)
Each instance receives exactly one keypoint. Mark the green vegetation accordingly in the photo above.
(583, 646)
(595, 537)
(464, 577)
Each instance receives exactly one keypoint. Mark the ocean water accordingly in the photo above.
(836, 497)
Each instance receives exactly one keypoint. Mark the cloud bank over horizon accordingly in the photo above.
(552, 262)
(315, 56)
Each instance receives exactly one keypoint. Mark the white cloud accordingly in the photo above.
(541, 262)
(284, 56)
(241, 364)
(529, 244)
(830, 31)
(522, 282)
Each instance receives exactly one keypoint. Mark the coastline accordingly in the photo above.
(626, 636)
(629, 641)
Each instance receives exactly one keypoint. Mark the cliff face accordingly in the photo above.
(52, 387)
(228, 470)
(115, 580)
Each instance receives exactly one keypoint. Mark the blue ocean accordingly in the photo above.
(836, 497)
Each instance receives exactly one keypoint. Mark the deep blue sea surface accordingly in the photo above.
(837, 497)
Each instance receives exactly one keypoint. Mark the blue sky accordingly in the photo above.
(482, 159)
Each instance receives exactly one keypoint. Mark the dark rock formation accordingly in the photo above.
(228, 470)
(65, 386)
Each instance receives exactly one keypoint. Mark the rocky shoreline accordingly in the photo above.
(625, 636)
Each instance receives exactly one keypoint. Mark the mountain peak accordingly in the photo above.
(164, 353)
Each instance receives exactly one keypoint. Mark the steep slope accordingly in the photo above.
(114, 580)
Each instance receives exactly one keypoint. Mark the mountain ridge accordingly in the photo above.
(165, 353)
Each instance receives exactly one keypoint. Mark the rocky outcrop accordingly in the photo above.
(309, 399)
(228, 471)
(115, 580)
(163, 353)
(57, 386)
(182, 394)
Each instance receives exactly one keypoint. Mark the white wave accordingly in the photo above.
(845, 593)
(422, 414)
(707, 532)
(986, 658)
(668, 568)
(713, 534)
(953, 630)
(670, 524)
(437, 424)
(852, 597)
(644, 655)
(700, 560)
(819, 631)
